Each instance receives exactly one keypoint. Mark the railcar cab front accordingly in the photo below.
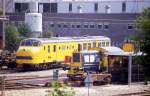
(30, 43)
(28, 50)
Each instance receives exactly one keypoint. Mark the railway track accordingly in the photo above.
(26, 82)
(20, 86)
(19, 83)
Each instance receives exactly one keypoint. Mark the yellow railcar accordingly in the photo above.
(43, 53)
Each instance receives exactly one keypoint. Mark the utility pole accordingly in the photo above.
(3, 23)
(3, 77)
(129, 69)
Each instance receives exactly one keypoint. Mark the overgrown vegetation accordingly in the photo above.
(143, 24)
(47, 34)
(14, 35)
(60, 89)
(1, 12)
(24, 30)
(11, 38)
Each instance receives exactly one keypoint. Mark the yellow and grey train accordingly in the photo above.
(45, 53)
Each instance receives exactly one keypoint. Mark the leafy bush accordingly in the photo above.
(12, 40)
(60, 89)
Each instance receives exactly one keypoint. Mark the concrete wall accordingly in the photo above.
(117, 23)
(115, 6)
(132, 6)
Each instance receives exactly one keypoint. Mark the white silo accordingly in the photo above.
(34, 21)
(33, 5)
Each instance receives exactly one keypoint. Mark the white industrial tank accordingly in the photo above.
(33, 7)
(34, 21)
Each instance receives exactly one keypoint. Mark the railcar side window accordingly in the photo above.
(76, 57)
(94, 44)
(99, 44)
(48, 49)
(72, 47)
(59, 48)
(54, 48)
(89, 45)
(79, 47)
(84, 46)
(103, 44)
(44, 47)
(107, 43)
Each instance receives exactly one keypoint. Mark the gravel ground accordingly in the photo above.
(105, 90)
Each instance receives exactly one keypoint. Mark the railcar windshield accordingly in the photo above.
(91, 58)
(30, 42)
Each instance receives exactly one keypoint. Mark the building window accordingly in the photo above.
(85, 25)
(46, 7)
(99, 26)
(53, 7)
(106, 26)
(21, 7)
(59, 25)
(73, 26)
(65, 25)
(123, 7)
(70, 7)
(17, 7)
(50, 7)
(92, 26)
(78, 26)
(130, 26)
(96, 7)
(52, 24)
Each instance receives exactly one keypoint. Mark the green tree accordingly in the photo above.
(11, 38)
(60, 89)
(143, 24)
(47, 34)
(24, 30)
(1, 12)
